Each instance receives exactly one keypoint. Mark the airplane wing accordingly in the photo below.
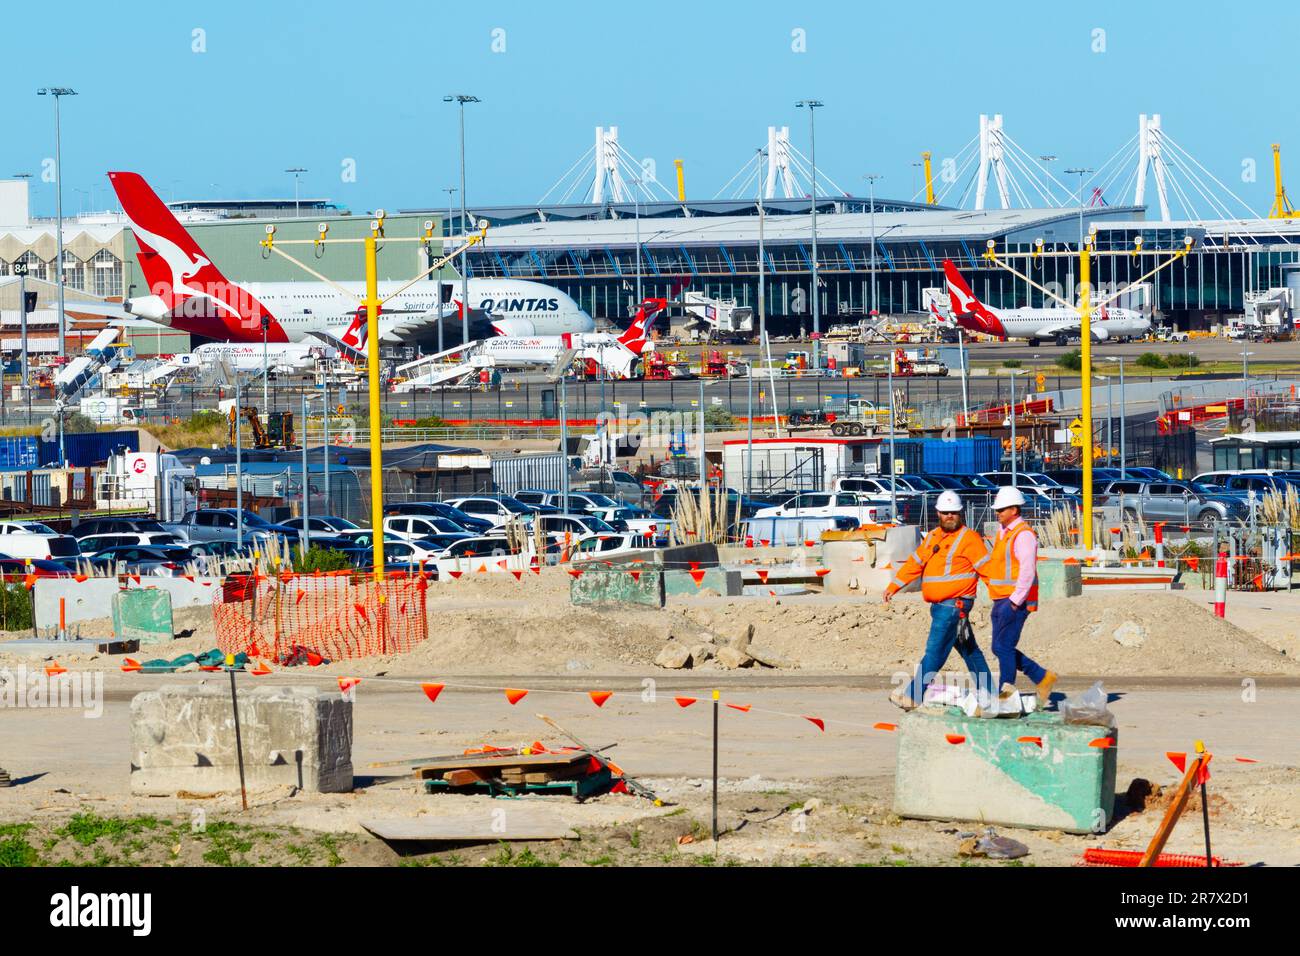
(349, 352)
(112, 310)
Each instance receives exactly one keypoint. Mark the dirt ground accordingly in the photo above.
(789, 792)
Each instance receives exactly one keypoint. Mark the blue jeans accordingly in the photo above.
(944, 621)
(1007, 625)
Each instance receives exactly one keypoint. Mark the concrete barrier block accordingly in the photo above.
(684, 555)
(183, 738)
(183, 591)
(1057, 579)
(720, 580)
(954, 767)
(143, 615)
(83, 600)
(598, 586)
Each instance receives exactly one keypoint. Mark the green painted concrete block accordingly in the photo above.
(144, 615)
(1056, 579)
(989, 776)
(597, 586)
(719, 580)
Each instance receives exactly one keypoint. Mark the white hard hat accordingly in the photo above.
(949, 501)
(1008, 496)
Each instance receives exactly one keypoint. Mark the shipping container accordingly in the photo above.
(961, 456)
(89, 448)
(513, 473)
(19, 452)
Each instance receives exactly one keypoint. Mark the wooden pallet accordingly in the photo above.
(495, 766)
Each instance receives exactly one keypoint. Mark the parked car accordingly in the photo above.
(865, 509)
(101, 526)
(409, 528)
(573, 526)
(222, 524)
(32, 539)
(497, 509)
(95, 543)
(622, 485)
(1071, 479)
(441, 509)
(16, 569)
(601, 547)
(169, 562)
(320, 526)
(1182, 502)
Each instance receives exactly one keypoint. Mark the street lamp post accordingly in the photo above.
(58, 92)
(762, 328)
(893, 465)
(1081, 171)
(451, 193)
(871, 186)
(812, 106)
(296, 170)
(1245, 377)
(1123, 450)
(462, 99)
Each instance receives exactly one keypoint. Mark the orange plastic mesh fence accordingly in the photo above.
(337, 616)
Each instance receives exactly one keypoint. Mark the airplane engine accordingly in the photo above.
(1100, 334)
(515, 328)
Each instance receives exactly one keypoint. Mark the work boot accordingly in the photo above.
(1044, 688)
(900, 698)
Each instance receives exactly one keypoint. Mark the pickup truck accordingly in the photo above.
(221, 524)
(1181, 502)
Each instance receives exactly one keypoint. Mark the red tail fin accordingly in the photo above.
(180, 274)
(968, 311)
(634, 338)
(356, 332)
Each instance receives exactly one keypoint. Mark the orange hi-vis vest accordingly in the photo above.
(945, 562)
(1001, 569)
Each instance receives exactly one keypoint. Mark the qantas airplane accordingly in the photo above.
(618, 354)
(188, 292)
(1057, 324)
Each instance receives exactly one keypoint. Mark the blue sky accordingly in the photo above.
(287, 84)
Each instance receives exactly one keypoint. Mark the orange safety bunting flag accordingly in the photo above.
(518, 575)
(261, 670)
(822, 572)
(817, 721)
(636, 575)
(1179, 760)
(762, 575)
(432, 691)
(301, 594)
(764, 541)
(515, 694)
(79, 578)
(884, 726)
(743, 708)
(685, 701)
(698, 577)
(695, 565)
(481, 569)
(314, 659)
(537, 569)
(347, 683)
(1036, 741)
(809, 542)
(575, 573)
(54, 668)
(1203, 775)
(502, 564)
(598, 697)
(455, 574)
(1102, 742)
(954, 738)
(130, 665)
(361, 610)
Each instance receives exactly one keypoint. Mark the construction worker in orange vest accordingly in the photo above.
(1011, 574)
(945, 563)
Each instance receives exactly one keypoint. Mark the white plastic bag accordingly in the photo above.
(1088, 707)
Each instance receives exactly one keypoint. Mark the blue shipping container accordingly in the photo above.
(20, 452)
(963, 456)
(88, 448)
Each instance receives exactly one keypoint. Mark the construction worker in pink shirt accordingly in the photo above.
(1011, 574)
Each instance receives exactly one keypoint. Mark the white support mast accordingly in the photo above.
(778, 164)
(1150, 154)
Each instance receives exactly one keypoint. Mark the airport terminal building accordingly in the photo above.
(590, 252)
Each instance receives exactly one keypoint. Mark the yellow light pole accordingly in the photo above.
(376, 424)
(1085, 377)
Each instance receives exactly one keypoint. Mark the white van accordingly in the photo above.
(31, 539)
